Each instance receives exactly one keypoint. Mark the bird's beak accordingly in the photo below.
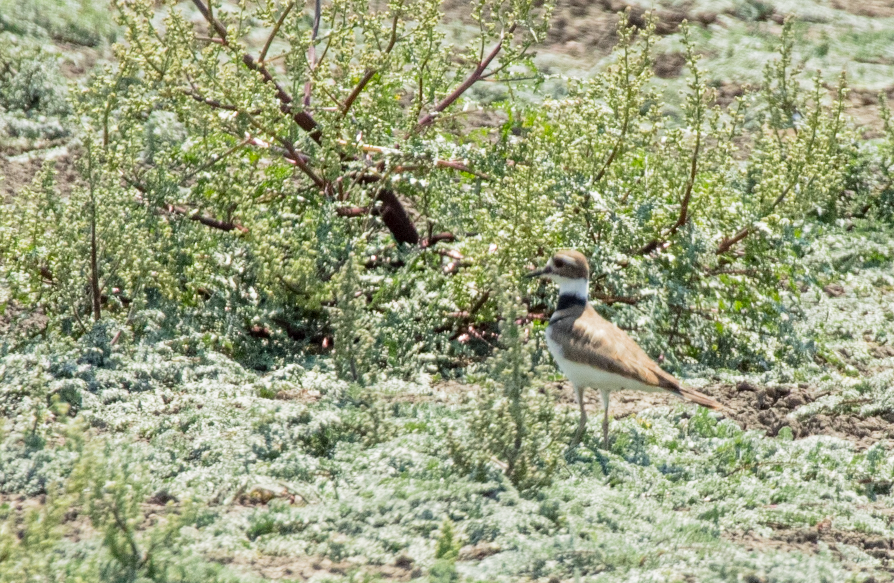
(539, 272)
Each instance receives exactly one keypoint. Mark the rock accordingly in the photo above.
(404, 562)
(834, 290)
(885, 351)
(877, 543)
(477, 552)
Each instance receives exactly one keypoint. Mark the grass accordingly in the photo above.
(168, 461)
(337, 481)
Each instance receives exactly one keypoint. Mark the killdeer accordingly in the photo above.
(593, 352)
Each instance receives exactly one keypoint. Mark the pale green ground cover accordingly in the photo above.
(298, 474)
(293, 473)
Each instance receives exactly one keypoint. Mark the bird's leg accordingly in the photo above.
(605, 394)
(582, 424)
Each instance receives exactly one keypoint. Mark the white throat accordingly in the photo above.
(572, 287)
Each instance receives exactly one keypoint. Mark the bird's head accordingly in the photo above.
(565, 266)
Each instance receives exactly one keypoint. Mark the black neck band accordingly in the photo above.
(570, 300)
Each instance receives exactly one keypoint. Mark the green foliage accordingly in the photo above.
(447, 546)
(362, 475)
(177, 411)
(33, 95)
(645, 199)
(354, 343)
(54, 247)
(885, 161)
(510, 424)
(108, 487)
(83, 22)
(248, 214)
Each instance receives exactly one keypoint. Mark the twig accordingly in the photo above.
(370, 73)
(192, 215)
(473, 78)
(275, 31)
(312, 53)
(206, 13)
(726, 244)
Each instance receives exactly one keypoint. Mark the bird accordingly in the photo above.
(593, 352)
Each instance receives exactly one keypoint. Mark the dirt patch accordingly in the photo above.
(16, 175)
(304, 568)
(764, 408)
(19, 174)
(871, 8)
(806, 540)
(669, 65)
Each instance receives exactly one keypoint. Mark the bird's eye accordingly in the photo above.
(559, 262)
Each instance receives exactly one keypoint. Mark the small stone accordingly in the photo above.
(478, 552)
(878, 543)
(810, 536)
(884, 351)
(834, 290)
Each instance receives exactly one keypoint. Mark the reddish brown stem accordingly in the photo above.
(726, 244)
(312, 52)
(369, 74)
(275, 31)
(473, 78)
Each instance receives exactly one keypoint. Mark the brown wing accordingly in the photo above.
(593, 340)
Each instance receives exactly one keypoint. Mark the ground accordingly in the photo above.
(300, 476)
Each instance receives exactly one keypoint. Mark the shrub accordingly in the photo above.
(510, 426)
(323, 180)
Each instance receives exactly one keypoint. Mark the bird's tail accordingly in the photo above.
(700, 398)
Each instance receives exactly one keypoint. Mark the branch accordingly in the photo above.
(687, 196)
(684, 205)
(354, 211)
(190, 214)
(465, 317)
(367, 77)
(473, 78)
(312, 53)
(452, 164)
(206, 220)
(275, 31)
(210, 102)
(437, 238)
(215, 23)
(393, 213)
(300, 160)
(726, 244)
(370, 73)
